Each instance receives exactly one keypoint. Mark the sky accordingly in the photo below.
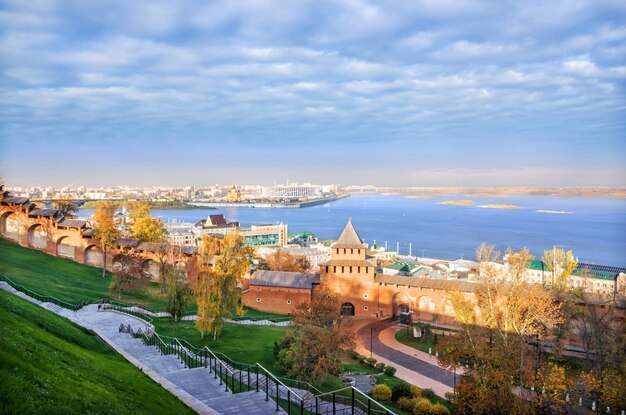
(415, 93)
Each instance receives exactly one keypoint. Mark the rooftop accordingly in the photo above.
(349, 238)
(284, 279)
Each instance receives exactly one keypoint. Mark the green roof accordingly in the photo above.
(596, 274)
(579, 272)
(538, 265)
(401, 266)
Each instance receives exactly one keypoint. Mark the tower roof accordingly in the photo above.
(349, 238)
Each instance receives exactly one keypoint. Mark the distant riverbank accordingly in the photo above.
(161, 205)
(595, 233)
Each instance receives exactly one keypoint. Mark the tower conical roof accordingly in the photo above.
(349, 238)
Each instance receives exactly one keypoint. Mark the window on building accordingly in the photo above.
(365, 296)
(365, 308)
(288, 301)
(258, 300)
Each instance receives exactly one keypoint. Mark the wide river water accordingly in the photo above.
(595, 230)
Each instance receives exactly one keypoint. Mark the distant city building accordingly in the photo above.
(306, 190)
(214, 224)
(265, 235)
(181, 236)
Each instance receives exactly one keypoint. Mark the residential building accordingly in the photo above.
(214, 224)
(265, 235)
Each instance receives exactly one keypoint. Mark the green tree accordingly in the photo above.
(106, 230)
(130, 273)
(221, 265)
(67, 207)
(177, 291)
(320, 339)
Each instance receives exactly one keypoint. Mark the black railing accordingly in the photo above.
(294, 396)
(39, 297)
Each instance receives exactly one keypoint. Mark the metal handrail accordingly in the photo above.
(39, 297)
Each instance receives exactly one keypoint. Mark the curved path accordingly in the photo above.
(409, 367)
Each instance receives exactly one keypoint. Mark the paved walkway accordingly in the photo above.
(388, 338)
(197, 388)
(423, 373)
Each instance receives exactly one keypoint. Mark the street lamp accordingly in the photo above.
(372, 330)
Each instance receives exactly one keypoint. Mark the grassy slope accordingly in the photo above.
(242, 343)
(73, 282)
(49, 365)
(65, 279)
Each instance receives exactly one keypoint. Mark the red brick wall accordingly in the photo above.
(274, 299)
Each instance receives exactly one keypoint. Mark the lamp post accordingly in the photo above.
(372, 330)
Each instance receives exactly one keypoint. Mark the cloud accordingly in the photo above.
(456, 82)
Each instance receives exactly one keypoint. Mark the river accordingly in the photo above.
(595, 230)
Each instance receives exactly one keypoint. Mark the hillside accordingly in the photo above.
(49, 365)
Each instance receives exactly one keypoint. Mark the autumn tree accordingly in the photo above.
(166, 254)
(283, 260)
(143, 226)
(106, 230)
(130, 273)
(67, 207)
(177, 291)
(496, 327)
(319, 340)
(561, 264)
(221, 265)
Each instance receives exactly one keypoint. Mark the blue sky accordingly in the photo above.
(425, 92)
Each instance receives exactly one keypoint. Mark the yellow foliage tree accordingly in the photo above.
(143, 226)
(105, 229)
(221, 265)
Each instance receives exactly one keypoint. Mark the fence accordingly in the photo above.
(295, 397)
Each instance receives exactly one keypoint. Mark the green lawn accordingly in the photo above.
(65, 279)
(423, 343)
(75, 283)
(49, 365)
(242, 343)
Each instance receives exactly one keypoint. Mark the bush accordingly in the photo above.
(380, 366)
(449, 396)
(381, 392)
(401, 390)
(406, 404)
(370, 361)
(416, 392)
(354, 355)
(390, 370)
(422, 406)
(362, 359)
(439, 409)
(428, 394)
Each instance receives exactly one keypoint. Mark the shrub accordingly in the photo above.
(381, 392)
(416, 392)
(390, 370)
(401, 390)
(422, 406)
(449, 396)
(380, 366)
(439, 409)
(354, 355)
(428, 394)
(370, 361)
(406, 404)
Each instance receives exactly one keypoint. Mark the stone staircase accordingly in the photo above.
(200, 383)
